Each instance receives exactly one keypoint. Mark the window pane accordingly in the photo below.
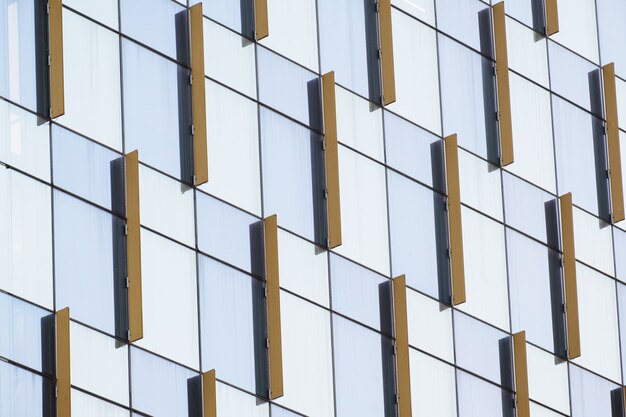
(99, 364)
(414, 151)
(347, 31)
(159, 24)
(417, 221)
(535, 276)
(86, 241)
(233, 147)
(104, 11)
(593, 241)
(86, 405)
(303, 268)
(358, 292)
(599, 338)
(422, 9)
(87, 169)
(548, 379)
(25, 238)
(478, 398)
(468, 98)
(363, 211)
(591, 394)
(232, 308)
(577, 27)
(159, 387)
(361, 388)
(485, 269)
(18, 75)
(234, 403)
(21, 392)
(92, 80)
(228, 233)
(359, 124)
(235, 14)
(527, 52)
(468, 21)
(169, 268)
(481, 185)
(166, 205)
(26, 143)
(416, 72)
(532, 133)
(156, 97)
(23, 328)
(433, 391)
(296, 198)
(289, 88)
(430, 325)
(293, 30)
(306, 344)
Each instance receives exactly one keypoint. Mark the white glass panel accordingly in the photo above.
(433, 391)
(577, 27)
(593, 241)
(548, 380)
(430, 325)
(481, 185)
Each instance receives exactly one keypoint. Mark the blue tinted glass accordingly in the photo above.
(87, 169)
(232, 311)
(87, 243)
(297, 198)
(468, 98)
(418, 230)
(289, 88)
(236, 14)
(414, 151)
(611, 18)
(23, 394)
(228, 233)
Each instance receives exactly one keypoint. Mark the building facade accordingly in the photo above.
(325, 208)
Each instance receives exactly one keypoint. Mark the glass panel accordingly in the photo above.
(485, 269)
(535, 286)
(159, 24)
(532, 133)
(86, 241)
(538, 411)
(414, 151)
(478, 398)
(99, 364)
(481, 185)
(92, 80)
(228, 233)
(233, 147)
(529, 13)
(577, 28)
(296, 198)
(591, 394)
(619, 240)
(469, 21)
(430, 326)
(293, 28)
(357, 292)
(303, 268)
(611, 14)
(360, 124)
(169, 268)
(159, 387)
(306, 343)
(25, 238)
(289, 88)
(599, 338)
(234, 403)
(547, 379)
(25, 143)
(235, 14)
(482, 349)
(593, 240)
(166, 205)
(232, 308)
(362, 384)
(104, 11)
(433, 390)
(347, 31)
(468, 98)
(418, 232)
(156, 100)
(87, 169)
(21, 392)
(416, 72)
(579, 144)
(621, 299)
(573, 77)
(422, 9)
(530, 209)
(363, 211)
(229, 58)
(86, 405)
(23, 330)
(18, 50)
(527, 51)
